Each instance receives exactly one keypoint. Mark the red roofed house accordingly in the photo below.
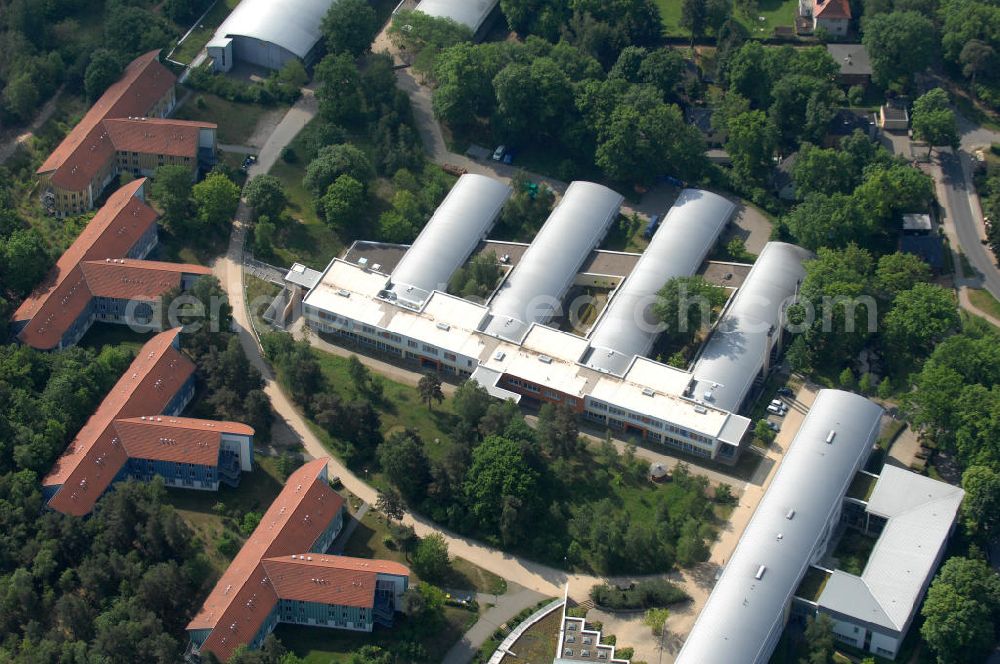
(834, 16)
(135, 433)
(124, 132)
(282, 575)
(102, 277)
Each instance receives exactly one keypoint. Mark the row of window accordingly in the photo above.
(657, 424)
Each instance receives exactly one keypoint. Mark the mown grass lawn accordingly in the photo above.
(237, 122)
(984, 301)
(190, 47)
(775, 12)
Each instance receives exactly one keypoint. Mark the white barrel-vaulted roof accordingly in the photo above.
(686, 235)
(470, 13)
(745, 614)
(532, 291)
(293, 25)
(459, 224)
(738, 348)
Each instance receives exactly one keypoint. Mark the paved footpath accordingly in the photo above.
(506, 607)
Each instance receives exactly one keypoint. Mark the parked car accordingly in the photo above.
(499, 152)
(778, 403)
(775, 410)
(786, 392)
(774, 426)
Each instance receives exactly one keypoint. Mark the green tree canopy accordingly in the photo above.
(899, 272)
(104, 68)
(899, 44)
(637, 137)
(339, 88)
(402, 458)
(25, 260)
(981, 506)
(499, 472)
(266, 195)
(822, 170)
(349, 26)
(961, 610)
(430, 559)
(216, 198)
(751, 141)
(687, 304)
(171, 189)
(934, 120)
(343, 201)
(334, 161)
(919, 318)
(829, 221)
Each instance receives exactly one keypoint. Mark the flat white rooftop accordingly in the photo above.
(547, 357)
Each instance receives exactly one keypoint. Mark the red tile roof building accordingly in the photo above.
(282, 575)
(134, 433)
(101, 277)
(834, 16)
(124, 131)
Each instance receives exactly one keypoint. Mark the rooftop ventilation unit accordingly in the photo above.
(760, 572)
(830, 436)
(701, 410)
(443, 326)
(648, 392)
(363, 262)
(545, 359)
(343, 292)
(499, 355)
(377, 267)
(790, 515)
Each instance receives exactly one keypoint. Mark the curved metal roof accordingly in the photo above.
(686, 235)
(738, 347)
(744, 616)
(532, 290)
(293, 25)
(470, 13)
(461, 221)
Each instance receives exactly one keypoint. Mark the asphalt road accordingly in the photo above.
(967, 226)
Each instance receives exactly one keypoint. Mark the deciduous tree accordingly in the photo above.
(899, 44)
(934, 120)
(349, 26)
(216, 198)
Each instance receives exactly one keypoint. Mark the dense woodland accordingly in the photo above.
(121, 585)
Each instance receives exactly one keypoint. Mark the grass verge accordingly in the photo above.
(237, 122)
(187, 50)
(982, 299)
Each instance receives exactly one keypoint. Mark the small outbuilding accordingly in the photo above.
(893, 118)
